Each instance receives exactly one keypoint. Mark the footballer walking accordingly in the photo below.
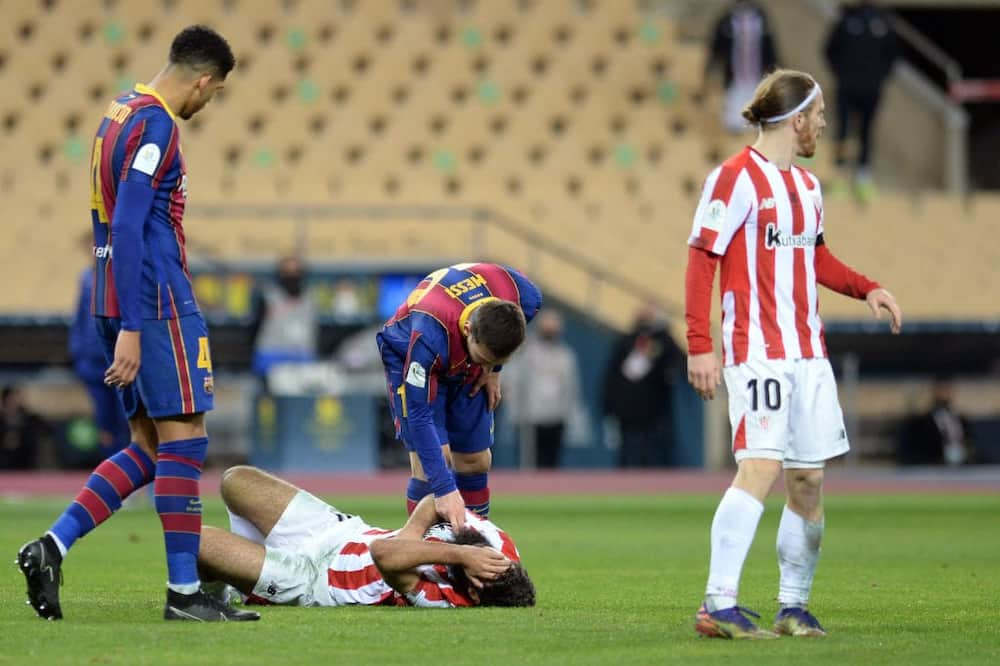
(761, 218)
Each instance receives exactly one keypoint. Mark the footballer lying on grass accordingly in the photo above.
(289, 547)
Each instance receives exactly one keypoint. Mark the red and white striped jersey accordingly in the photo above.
(764, 222)
(353, 578)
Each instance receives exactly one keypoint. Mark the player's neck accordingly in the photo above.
(166, 86)
(776, 147)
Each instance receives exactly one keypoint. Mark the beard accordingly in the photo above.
(806, 142)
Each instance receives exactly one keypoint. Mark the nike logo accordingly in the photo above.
(178, 611)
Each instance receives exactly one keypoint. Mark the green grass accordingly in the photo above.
(902, 580)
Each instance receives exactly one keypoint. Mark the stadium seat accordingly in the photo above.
(579, 125)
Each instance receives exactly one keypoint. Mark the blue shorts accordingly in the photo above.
(465, 423)
(175, 375)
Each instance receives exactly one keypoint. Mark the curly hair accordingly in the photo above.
(201, 48)
(512, 588)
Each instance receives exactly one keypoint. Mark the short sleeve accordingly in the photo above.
(150, 147)
(725, 204)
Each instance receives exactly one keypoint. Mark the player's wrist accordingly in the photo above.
(699, 344)
(443, 489)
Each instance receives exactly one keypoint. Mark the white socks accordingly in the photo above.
(798, 552)
(59, 544)
(733, 529)
(185, 588)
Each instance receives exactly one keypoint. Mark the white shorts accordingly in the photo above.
(299, 549)
(787, 411)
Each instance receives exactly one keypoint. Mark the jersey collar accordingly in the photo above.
(143, 89)
(472, 307)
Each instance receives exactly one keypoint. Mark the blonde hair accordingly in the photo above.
(778, 93)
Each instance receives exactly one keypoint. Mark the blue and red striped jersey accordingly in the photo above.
(138, 144)
(427, 328)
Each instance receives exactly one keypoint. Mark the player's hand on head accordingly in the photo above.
(451, 507)
(704, 374)
(879, 299)
(128, 357)
(483, 564)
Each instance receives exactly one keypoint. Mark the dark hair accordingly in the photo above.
(778, 93)
(500, 326)
(512, 588)
(199, 47)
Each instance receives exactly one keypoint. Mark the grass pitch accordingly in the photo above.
(902, 580)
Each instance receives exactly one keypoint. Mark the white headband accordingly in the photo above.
(802, 105)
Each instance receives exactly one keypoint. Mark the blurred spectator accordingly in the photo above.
(743, 47)
(87, 355)
(21, 431)
(286, 323)
(637, 390)
(939, 436)
(860, 50)
(543, 389)
(346, 300)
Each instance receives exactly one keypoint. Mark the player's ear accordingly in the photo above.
(474, 595)
(202, 82)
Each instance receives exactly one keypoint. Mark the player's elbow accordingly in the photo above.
(381, 550)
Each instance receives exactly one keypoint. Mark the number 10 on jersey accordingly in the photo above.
(771, 394)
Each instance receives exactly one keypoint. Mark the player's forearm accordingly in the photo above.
(428, 447)
(423, 517)
(128, 246)
(397, 559)
(839, 277)
(394, 555)
(698, 299)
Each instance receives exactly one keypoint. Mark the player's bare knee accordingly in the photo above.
(805, 492)
(235, 480)
(472, 463)
(805, 481)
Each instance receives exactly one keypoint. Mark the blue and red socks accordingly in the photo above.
(178, 501)
(474, 489)
(111, 482)
(416, 491)
(475, 492)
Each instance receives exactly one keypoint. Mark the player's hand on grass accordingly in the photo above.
(483, 564)
(704, 374)
(451, 507)
(128, 356)
(490, 380)
(881, 298)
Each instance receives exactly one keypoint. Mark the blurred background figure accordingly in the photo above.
(544, 391)
(89, 364)
(940, 435)
(286, 323)
(743, 48)
(21, 431)
(637, 386)
(860, 50)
